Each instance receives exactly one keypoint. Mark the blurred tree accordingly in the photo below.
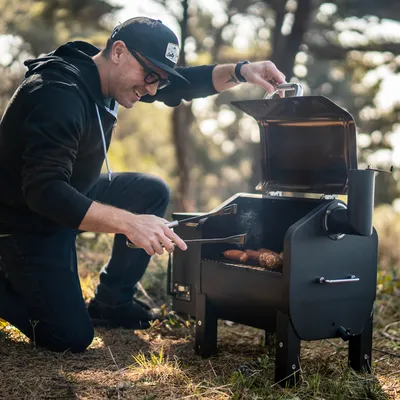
(286, 43)
(309, 41)
(32, 27)
(213, 151)
(208, 38)
(350, 55)
(44, 24)
(182, 120)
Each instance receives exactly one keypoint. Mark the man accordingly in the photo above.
(54, 137)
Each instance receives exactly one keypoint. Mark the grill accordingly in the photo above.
(326, 284)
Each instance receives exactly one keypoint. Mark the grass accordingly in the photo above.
(160, 363)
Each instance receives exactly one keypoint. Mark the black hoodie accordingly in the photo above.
(51, 143)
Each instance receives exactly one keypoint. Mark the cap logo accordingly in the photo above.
(172, 52)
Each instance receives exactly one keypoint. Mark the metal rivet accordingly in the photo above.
(280, 344)
(294, 366)
(328, 212)
(199, 322)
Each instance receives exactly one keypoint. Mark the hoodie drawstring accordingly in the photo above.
(104, 143)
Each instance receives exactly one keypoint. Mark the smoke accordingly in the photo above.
(249, 223)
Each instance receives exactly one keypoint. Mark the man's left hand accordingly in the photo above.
(264, 74)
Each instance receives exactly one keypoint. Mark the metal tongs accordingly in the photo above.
(235, 239)
(227, 210)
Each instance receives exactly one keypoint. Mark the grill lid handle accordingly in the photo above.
(286, 87)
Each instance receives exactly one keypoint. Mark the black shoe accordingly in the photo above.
(132, 315)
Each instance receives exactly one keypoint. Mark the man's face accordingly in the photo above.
(127, 77)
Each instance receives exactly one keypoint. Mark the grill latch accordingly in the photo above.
(181, 291)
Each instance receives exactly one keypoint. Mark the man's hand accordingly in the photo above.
(151, 233)
(146, 231)
(261, 73)
(264, 74)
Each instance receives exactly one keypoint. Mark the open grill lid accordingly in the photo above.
(308, 143)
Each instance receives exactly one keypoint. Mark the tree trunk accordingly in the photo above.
(285, 47)
(182, 119)
(284, 50)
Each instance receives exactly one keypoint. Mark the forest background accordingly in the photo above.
(206, 150)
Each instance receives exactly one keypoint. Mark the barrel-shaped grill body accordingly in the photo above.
(251, 295)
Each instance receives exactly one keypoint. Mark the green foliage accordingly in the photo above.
(142, 141)
(387, 224)
(35, 27)
(326, 65)
(47, 23)
(225, 159)
(152, 361)
(322, 381)
(350, 55)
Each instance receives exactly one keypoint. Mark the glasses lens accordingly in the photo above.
(153, 77)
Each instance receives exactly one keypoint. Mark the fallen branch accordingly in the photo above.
(390, 325)
(146, 295)
(391, 337)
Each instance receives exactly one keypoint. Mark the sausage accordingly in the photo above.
(236, 255)
(270, 260)
(263, 250)
(253, 254)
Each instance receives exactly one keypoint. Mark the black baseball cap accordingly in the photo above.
(153, 40)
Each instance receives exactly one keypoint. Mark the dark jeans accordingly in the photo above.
(40, 292)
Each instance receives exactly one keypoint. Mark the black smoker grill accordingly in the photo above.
(327, 284)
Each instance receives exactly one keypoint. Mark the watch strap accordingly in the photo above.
(238, 66)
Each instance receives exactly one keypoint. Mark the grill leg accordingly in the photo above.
(360, 349)
(287, 358)
(269, 338)
(206, 327)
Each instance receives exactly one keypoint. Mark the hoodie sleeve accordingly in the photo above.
(53, 128)
(201, 85)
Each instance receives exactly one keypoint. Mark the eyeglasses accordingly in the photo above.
(151, 76)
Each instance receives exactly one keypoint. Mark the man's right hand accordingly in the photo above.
(152, 234)
(146, 231)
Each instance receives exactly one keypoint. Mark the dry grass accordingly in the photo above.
(160, 363)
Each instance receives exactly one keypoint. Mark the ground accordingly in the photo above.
(160, 363)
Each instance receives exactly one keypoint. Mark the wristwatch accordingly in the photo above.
(237, 70)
